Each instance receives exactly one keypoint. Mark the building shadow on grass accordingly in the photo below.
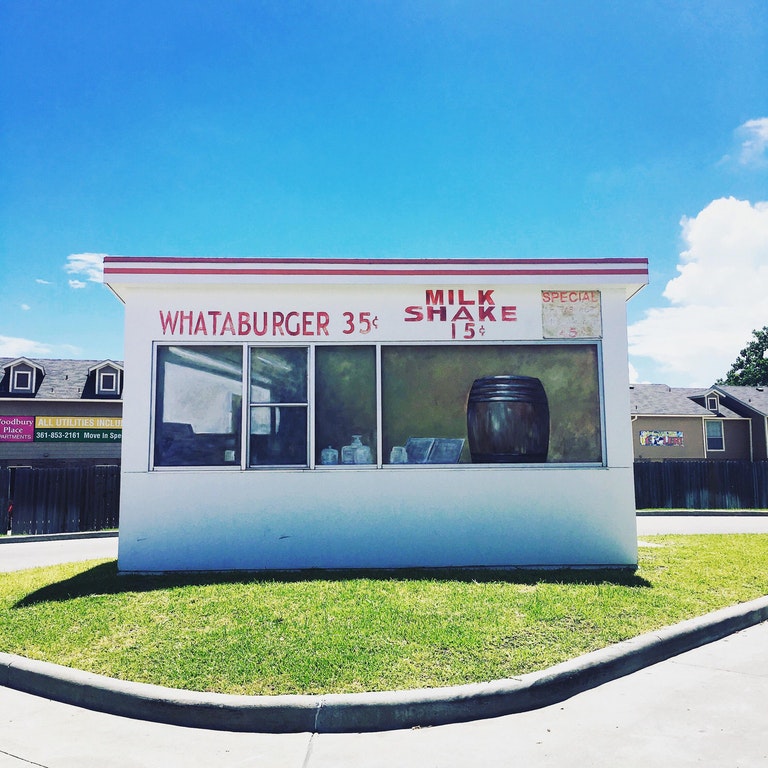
(104, 579)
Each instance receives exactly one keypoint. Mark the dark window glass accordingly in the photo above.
(715, 441)
(345, 404)
(22, 380)
(108, 382)
(279, 407)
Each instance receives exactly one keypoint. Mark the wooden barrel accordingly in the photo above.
(508, 420)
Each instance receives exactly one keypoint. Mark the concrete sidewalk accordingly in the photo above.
(704, 708)
(365, 712)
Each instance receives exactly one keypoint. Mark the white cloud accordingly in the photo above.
(43, 282)
(88, 265)
(25, 307)
(11, 346)
(753, 138)
(15, 347)
(719, 297)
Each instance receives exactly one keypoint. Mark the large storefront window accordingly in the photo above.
(495, 403)
(198, 406)
(391, 404)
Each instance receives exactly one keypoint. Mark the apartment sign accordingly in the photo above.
(54, 429)
(17, 429)
(78, 429)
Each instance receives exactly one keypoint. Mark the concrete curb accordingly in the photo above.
(20, 538)
(350, 713)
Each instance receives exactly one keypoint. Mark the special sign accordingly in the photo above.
(571, 314)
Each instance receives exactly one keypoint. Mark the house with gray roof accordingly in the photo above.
(58, 413)
(687, 423)
(750, 403)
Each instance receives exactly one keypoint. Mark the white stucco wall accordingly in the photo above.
(386, 516)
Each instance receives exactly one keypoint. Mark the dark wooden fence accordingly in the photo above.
(60, 500)
(701, 484)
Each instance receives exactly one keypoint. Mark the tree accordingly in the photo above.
(751, 366)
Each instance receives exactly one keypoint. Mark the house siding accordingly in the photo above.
(690, 426)
(737, 438)
(759, 438)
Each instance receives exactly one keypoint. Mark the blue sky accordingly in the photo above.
(388, 129)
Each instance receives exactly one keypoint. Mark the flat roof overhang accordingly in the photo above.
(632, 273)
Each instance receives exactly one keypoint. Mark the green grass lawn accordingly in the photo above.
(343, 632)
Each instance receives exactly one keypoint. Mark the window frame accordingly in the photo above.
(16, 373)
(251, 405)
(380, 462)
(707, 437)
(102, 389)
(156, 399)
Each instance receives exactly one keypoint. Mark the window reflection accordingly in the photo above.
(279, 409)
(345, 404)
(198, 410)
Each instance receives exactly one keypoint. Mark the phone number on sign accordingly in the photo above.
(82, 435)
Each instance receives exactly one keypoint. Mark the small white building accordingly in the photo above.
(288, 414)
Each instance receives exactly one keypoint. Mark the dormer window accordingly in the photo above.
(106, 379)
(107, 383)
(22, 381)
(713, 403)
(23, 377)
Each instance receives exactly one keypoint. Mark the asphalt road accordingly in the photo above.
(25, 553)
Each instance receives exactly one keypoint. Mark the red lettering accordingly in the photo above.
(416, 314)
(509, 314)
(440, 312)
(306, 324)
(463, 300)
(435, 297)
(462, 314)
(278, 318)
(243, 324)
(214, 314)
(167, 323)
(485, 297)
(485, 313)
(227, 326)
(322, 323)
(259, 331)
(291, 327)
(200, 325)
